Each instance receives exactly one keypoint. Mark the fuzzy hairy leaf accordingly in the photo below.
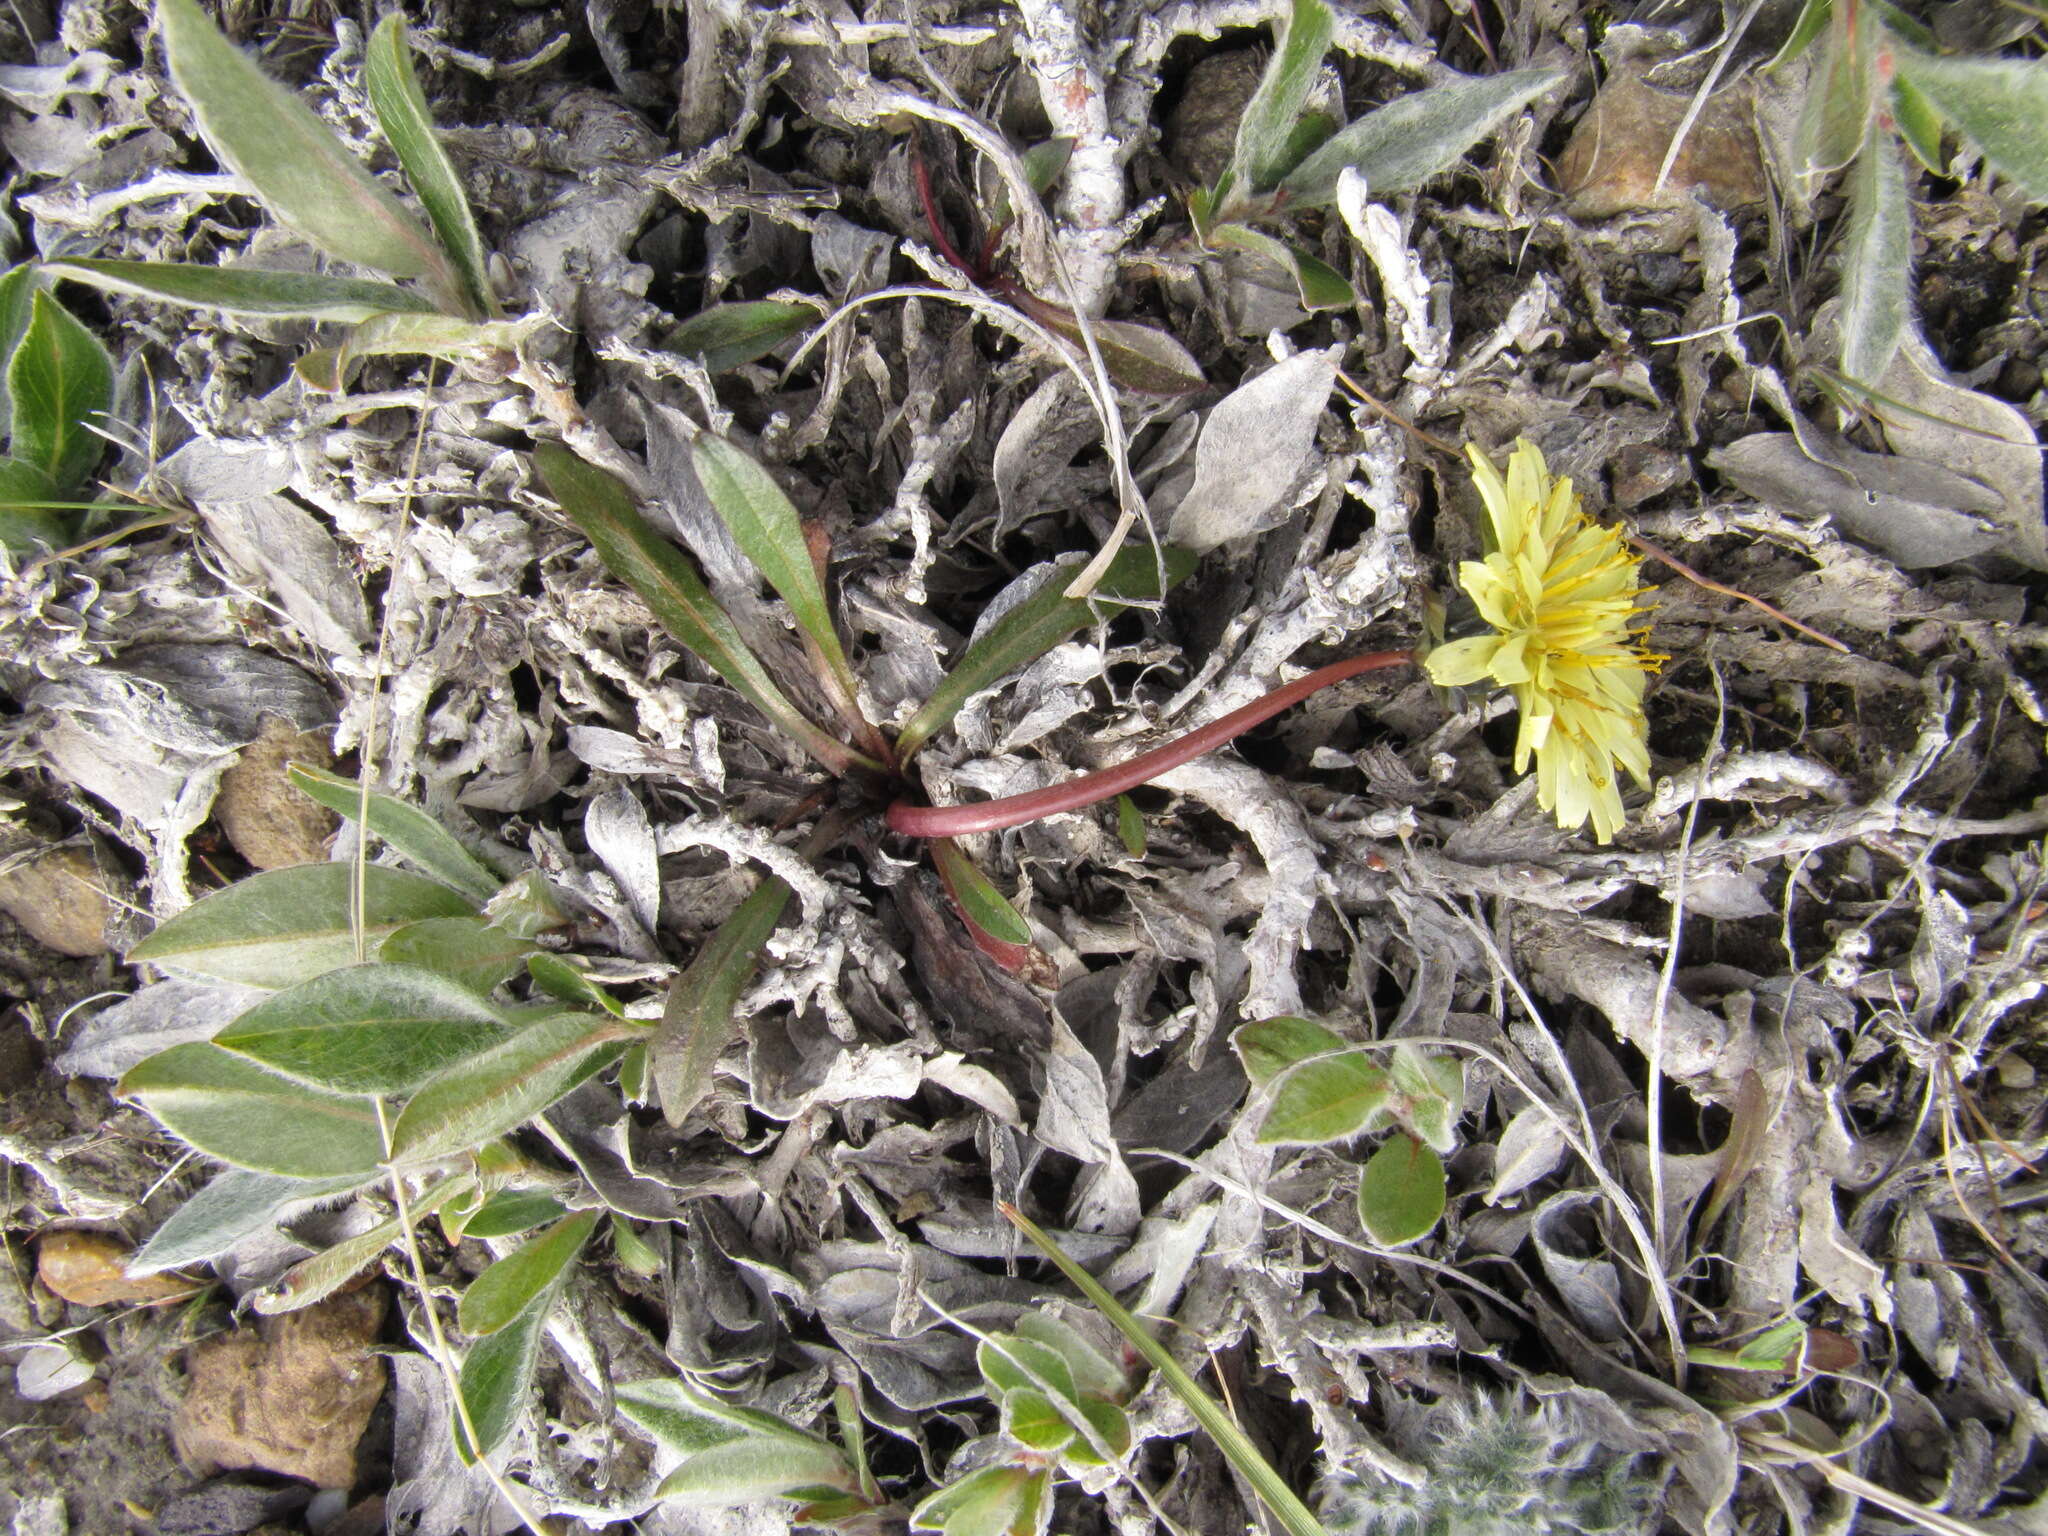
(60, 385)
(1998, 106)
(503, 1087)
(27, 520)
(378, 1028)
(1834, 120)
(1031, 1419)
(1406, 142)
(1270, 1047)
(1327, 1100)
(245, 290)
(697, 1020)
(1011, 1364)
(688, 1421)
(1001, 1500)
(401, 108)
(510, 1212)
(230, 1108)
(1319, 285)
(1266, 148)
(284, 926)
(516, 1281)
(1137, 356)
(313, 1280)
(497, 1378)
(237, 1204)
(1034, 627)
(464, 949)
(1108, 1424)
(298, 169)
(632, 551)
(17, 295)
(1093, 1371)
(1401, 1192)
(415, 835)
(1877, 258)
(755, 1468)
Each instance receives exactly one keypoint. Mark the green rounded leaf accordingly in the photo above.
(1112, 1428)
(1401, 1192)
(246, 290)
(1270, 1047)
(992, 1502)
(285, 926)
(1093, 1371)
(515, 1282)
(497, 1378)
(230, 1108)
(375, 1028)
(1031, 1419)
(1326, 1100)
(510, 1212)
(1010, 1364)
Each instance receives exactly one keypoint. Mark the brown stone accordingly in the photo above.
(1201, 131)
(88, 1268)
(1610, 166)
(271, 823)
(59, 896)
(291, 1395)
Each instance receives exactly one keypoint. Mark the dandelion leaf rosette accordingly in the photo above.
(1560, 594)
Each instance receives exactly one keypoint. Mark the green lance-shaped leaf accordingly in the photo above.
(28, 520)
(1326, 1100)
(513, 1283)
(1043, 162)
(687, 1421)
(1998, 106)
(603, 510)
(727, 335)
(756, 1467)
(1281, 1502)
(1877, 257)
(510, 1212)
(378, 1028)
(1130, 826)
(1834, 120)
(1011, 1364)
(501, 1088)
(1267, 148)
(230, 1108)
(237, 1204)
(411, 832)
(453, 339)
(497, 1377)
(60, 383)
(1421, 135)
(298, 169)
(997, 928)
(697, 1022)
(464, 949)
(1270, 1047)
(1034, 627)
(1319, 285)
(1401, 1192)
(569, 982)
(769, 532)
(313, 1280)
(401, 108)
(17, 295)
(1919, 125)
(285, 926)
(1003, 1500)
(1811, 22)
(246, 290)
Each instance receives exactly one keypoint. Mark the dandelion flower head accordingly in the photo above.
(1560, 592)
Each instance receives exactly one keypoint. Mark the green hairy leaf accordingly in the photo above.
(60, 383)
(984, 907)
(994, 1501)
(17, 294)
(501, 1088)
(697, 1021)
(1034, 627)
(756, 1467)
(601, 508)
(1998, 106)
(237, 1204)
(1401, 1192)
(401, 108)
(298, 169)
(314, 1280)
(512, 1211)
(230, 1108)
(1108, 1424)
(377, 1028)
(1877, 256)
(1137, 356)
(1266, 147)
(1010, 1364)
(770, 533)
(411, 832)
(26, 522)
(1327, 1100)
(727, 335)
(245, 290)
(285, 926)
(1421, 135)
(1319, 284)
(1031, 1419)
(497, 1378)
(464, 949)
(1834, 122)
(1093, 1371)
(689, 1421)
(515, 1282)
(1919, 125)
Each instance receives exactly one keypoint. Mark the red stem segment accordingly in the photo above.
(1073, 794)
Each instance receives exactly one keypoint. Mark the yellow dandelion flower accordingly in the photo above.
(1559, 591)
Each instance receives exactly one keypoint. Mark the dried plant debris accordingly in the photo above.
(671, 672)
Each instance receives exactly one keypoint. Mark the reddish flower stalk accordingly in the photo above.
(1073, 794)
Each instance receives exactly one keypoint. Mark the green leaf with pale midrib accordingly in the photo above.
(60, 382)
(1998, 104)
(1326, 1100)
(1034, 627)
(509, 1286)
(232, 1109)
(697, 1021)
(1406, 142)
(285, 926)
(421, 839)
(237, 1204)
(464, 949)
(378, 1028)
(1265, 134)
(1877, 257)
(501, 1088)
(246, 290)
(401, 108)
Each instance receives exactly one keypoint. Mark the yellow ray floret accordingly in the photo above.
(1561, 593)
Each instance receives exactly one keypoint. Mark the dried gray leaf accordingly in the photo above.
(1255, 448)
(1590, 1287)
(1531, 1148)
(615, 826)
(155, 1019)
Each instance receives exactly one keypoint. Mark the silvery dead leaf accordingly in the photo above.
(1254, 449)
(155, 1019)
(1916, 511)
(433, 1493)
(615, 826)
(1590, 1287)
(1033, 455)
(1531, 1148)
(45, 1371)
